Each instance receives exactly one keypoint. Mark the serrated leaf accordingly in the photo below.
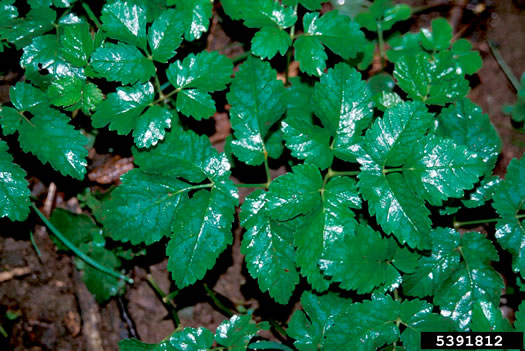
(298, 98)
(257, 100)
(439, 38)
(148, 201)
(509, 200)
(434, 80)
(67, 153)
(474, 284)
(125, 20)
(77, 44)
(469, 61)
(129, 110)
(122, 63)
(196, 16)
(196, 103)
(165, 35)
(74, 93)
(14, 189)
(194, 339)
(365, 261)
(237, 332)
(269, 41)
(21, 31)
(382, 15)
(295, 193)
(465, 123)
(267, 13)
(325, 228)
(343, 103)
(201, 231)
(307, 141)
(313, 328)
(268, 249)
(309, 4)
(335, 31)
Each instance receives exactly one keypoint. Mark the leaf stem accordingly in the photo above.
(169, 306)
(76, 250)
(171, 296)
(503, 65)
(216, 301)
(278, 327)
(91, 15)
(289, 52)
(345, 173)
(381, 43)
(479, 221)
(259, 185)
(35, 246)
(267, 170)
(167, 96)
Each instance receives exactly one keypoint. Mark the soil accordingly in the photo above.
(54, 311)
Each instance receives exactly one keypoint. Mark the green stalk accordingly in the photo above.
(91, 15)
(479, 221)
(503, 65)
(169, 306)
(76, 250)
(381, 44)
(35, 246)
(267, 170)
(251, 185)
(217, 302)
(289, 52)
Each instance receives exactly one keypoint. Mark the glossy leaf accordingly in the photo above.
(382, 14)
(122, 63)
(268, 247)
(237, 332)
(439, 38)
(257, 100)
(21, 31)
(266, 13)
(165, 35)
(195, 339)
(433, 80)
(125, 20)
(74, 93)
(269, 41)
(77, 44)
(14, 189)
(196, 16)
(469, 61)
(342, 102)
(335, 31)
(309, 4)
(509, 200)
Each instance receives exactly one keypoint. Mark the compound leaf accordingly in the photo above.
(122, 63)
(509, 200)
(335, 31)
(125, 20)
(75, 93)
(257, 100)
(268, 247)
(14, 189)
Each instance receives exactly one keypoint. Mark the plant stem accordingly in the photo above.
(76, 250)
(381, 44)
(165, 85)
(167, 96)
(241, 57)
(503, 65)
(169, 306)
(35, 246)
(171, 296)
(217, 302)
(479, 221)
(91, 15)
(345, 173)
(267, 170)
(278, 327)
(261, 185)
(289, 52)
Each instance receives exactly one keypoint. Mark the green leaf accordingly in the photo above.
(165, 35)
(325, 228)
(201, 231)
(335, 31)
(432, 169)
(125, 20)
(439, 38)
(269, 41)
(196, 16)
(483, 193)
(298, 99)
(267, 13)
(198, 75)
(78, 228)
(237, 332)
(342, 102)
(67, 153)
(469, 61)
(295, 193)
(193, 339)
(474, 285)
(148, 201)
(309, 4)
(257, 102)
(366, 261)
(24, 97)
(14, 189)
(382, 14)
(268, 249)
(268, 345)
(433, 80)
(401, 46)
(509, 201)
(77, 44)
(21, 31)
(135, 345)
(313, 328)
(307, 141)
(465, 123)
(122, 63)
(517, 111)
(74, 93)
(124, 112)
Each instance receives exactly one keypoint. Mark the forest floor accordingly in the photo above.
(55, 310)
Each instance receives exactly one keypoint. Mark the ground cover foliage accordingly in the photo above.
(378, 168)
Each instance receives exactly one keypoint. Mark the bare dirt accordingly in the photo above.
(55, 312)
